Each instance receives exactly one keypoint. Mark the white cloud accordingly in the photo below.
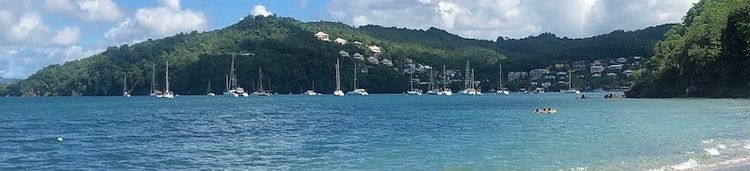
(67, 36)
(260, 10)
(88, 10)
(487, 19)
(24, 28)
(28, 43)
(165, 20)
(29, 29)
(20, 62)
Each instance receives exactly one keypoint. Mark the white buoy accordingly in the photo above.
(59, 139)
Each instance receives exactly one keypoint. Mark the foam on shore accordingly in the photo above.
(712, 151)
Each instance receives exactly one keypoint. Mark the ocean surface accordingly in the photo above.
(377, 132)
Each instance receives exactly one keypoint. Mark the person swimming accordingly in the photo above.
(547, 110)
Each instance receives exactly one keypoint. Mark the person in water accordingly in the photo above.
(583, 96)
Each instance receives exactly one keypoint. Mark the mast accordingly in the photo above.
(445, 78)
(338, 76)
(260, 79)
(313, 85)
(355, 75)
(473, 83)
(431, 79)
(226, 82)
(467, 77)
(166, 78)
(208, 90)
(411, 82)
(153, 78)
(125, 84)
(232, 76)
(570, 79)
(501, 77)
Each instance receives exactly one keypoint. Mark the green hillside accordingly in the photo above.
(705, 56)
(292, 57)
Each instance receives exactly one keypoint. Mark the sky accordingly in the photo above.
(38, 33)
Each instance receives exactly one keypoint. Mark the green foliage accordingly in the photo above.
(291, 58)
(702, 58)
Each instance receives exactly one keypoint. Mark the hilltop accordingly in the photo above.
(292, 57)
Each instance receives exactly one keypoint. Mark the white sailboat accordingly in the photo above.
(570, 89)
(432, 90)
(357, 91)
(261, 91)
(311, 92)
(208, 90)
(501, 90)
(154, 92)
(469, 82)
(445, 91)
(167, 94)
(125, 91)
(412, 90)
(338, 91)
(232, 89)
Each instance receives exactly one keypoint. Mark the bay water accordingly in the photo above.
(377, 132)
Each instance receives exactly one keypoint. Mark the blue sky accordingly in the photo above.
(38, 33)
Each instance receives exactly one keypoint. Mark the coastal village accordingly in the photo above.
(604, 74)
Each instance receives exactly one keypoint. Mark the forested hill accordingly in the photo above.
(547, 48)
(705, 56)
(292, 58)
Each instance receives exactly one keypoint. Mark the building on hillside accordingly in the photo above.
(562, 73)
(611, 74)
(615, 67)
(516, 75)
(340, 41)
(596, 69)
(358, 56)
(579, 65)
(597, 75)
(538, 73)
(596, 63)
(622, 60)
(357, 43)
(375, 49)
(559, 66)
(322, 36)
(628, 73)
(344, 53)
(387, 62)
(373, 60)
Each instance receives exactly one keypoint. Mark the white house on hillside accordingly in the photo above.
(375, 49)
(340, 41)
(322, 36)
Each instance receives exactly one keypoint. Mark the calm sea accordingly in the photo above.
(378, 132)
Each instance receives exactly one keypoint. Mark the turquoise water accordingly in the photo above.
(379, 132)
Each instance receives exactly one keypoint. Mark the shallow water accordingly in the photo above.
(378, 132)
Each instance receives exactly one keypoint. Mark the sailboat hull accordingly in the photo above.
(338, 93)
(358, 92)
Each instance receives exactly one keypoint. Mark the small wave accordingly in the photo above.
(708, 141)
(712, 151)
(730, 162)
(577, 168)
(721, 146)
(746, 146)
(685, 165)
